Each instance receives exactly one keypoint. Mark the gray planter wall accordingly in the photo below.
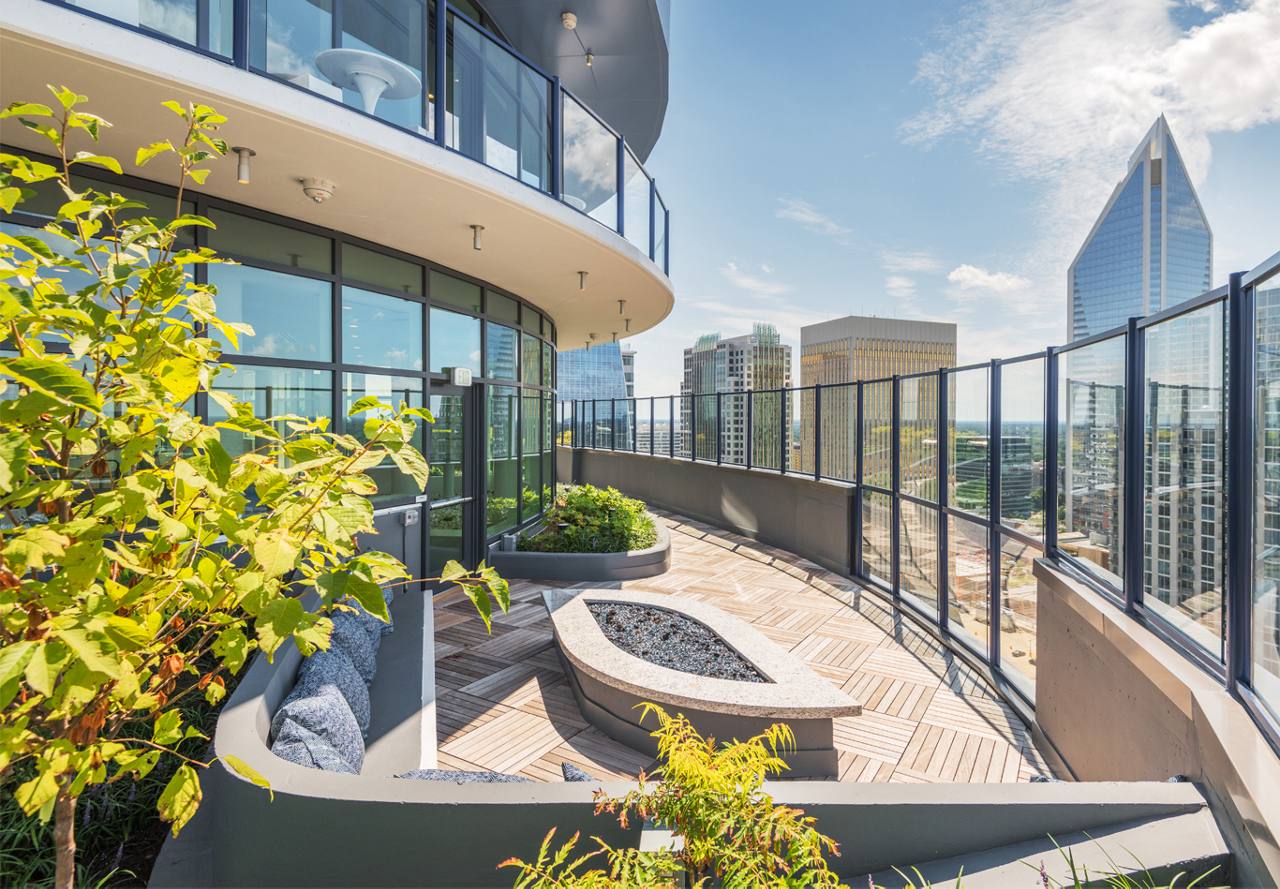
(602, 567)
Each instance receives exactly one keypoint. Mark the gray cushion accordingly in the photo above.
(297, 745)
(357, 636)
(573, 773)
(333, 667)
(458, 777)
(327, 714)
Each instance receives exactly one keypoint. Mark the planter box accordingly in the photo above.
(600, 567)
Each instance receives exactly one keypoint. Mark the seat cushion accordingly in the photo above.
(573, 773)
(358, 636)
(459, 777)
(334, 667)
(326, 714)
(297, 745)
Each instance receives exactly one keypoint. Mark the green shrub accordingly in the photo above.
(587, 519)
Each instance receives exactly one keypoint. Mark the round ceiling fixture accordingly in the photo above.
(569, 20)
(319, 190)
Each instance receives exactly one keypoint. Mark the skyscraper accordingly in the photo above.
(853, 348)
(756, 361)
(1151, 246)
(629, 368)
(595, 375)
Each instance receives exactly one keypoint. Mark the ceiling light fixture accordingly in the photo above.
(591, 58)
(582, 280)
(242, 164)
(319, 190)
(569, 20)
(627, 321)
(475, 236)
(621, 304)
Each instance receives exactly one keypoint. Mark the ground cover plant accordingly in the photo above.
(144, 560)
(587, 519)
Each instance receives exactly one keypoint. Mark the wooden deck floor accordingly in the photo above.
(504, 704)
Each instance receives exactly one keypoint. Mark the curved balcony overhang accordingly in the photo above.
(393, 187)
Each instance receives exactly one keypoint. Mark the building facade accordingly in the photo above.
(435, 254)
(629, 369)
(845, 350)
(758, 362)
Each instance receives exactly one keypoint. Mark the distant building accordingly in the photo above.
(757, 361)
(591, 375)
(629, 369)
(845, 350)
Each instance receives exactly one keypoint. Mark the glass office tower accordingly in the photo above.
(597, 373)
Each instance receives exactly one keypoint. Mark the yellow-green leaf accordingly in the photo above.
(181, 797)
(275, 551)
(248, 772)
(54, 379)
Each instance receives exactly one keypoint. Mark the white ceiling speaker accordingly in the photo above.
(319, 190)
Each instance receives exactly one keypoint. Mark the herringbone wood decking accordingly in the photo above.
(504, 703)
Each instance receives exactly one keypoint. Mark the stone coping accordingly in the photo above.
(792, 692)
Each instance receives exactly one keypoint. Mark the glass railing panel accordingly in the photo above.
(839, 430)
(625, 424)
(396, 30)
(1266, 501)
(877, 434)
(502, 474)
(635, 203)
(1018, 611)
(877, 529)
(766, 417)
(968, 581)
(590, 164)
(918, 555)
(1184, 457)
(683, 432)
(1090, 450)
(530, 455)
(644, 425)
(176, 19)
(801, 420)
(733, 410)
(1022, 446)
(498, 109)
(705, 427)
(968, 442)
(660, 234)
(918, 437)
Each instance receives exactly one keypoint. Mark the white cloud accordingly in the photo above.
(734, 320)
(971, 277)
(805, 213)
(900, 286)
(754, 284)
(909, 261)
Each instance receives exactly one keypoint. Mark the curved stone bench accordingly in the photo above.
(576, 567)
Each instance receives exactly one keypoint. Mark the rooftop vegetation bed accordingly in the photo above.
(587, 519)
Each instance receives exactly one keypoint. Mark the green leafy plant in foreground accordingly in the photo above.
(141, 562)
(711, 796)
(587, 519)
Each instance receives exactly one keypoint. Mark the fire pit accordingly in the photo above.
(621, 648)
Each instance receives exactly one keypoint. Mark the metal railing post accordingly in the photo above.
(895, 469)
(719, 428)
(1050, 481)
(747, 457)
(557, 139)
(782, 430)
(944, 497)
(240, 33)
(817, 432)
(622, 185)
(653, 425)
(1133, 563)
(857, 480)
(995, 436)
(671, 426)
(613, 424)
(653, 222)
(635, 426)
(666, 243)
(1241, 383)
(441, 68)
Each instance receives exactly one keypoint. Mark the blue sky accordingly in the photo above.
(941, 160)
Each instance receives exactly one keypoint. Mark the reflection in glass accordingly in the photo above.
(877, 434)
(876, 531)
(1266, 542)
(1184, 438)
(502, 480)
(446, 537)
(590, 165)
(380, 270)
(918, 555)
(178, 19)
(918, 434)
(381, 331)
(290, 315)
(257, 239)
(530, 359)
(454, 291)
(273, 392)
(968, 448)
(502, 308)
(455, 341)
(394, 391)
(448, 439)
(968, 582)
(1018, 611)
(548, 365)
(500, 351)
(1022, 446)
(287, 35)
(1090, 448)
(392, 28)
(531, 456)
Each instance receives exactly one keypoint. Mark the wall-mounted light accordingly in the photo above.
(582, 280)
(242, 164)
(475, 236)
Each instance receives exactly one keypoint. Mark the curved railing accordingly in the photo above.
(1158, 444)
(500, 108)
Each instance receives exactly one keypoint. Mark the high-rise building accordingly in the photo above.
(756, 361)
(595, 372)
(845, 350)
(1151, 246)
(629, 369)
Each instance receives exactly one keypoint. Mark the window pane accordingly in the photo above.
(968, 451)
(1090, 447)
(273, 392)
(918, 555)
(1266, 449)
(244, 236)
(287, 35)
(1022, 446)
(290, 316)
(500, 351)
(531, 456)
(392, 28)
(393, 390)
(918, 417)
(839, 431)
(1018, 611)
(503, 475)
(387, 272)
(455, 341)
(448, 440)
(876, 529)
(590, 165)
(454, 291)
(877, 434)
(1184, 439)
(530, 359)
(548, 365)
(502, 308)
(968, 561)
(530, 319)
(381, 331)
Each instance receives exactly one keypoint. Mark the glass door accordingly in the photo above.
(451, 489)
